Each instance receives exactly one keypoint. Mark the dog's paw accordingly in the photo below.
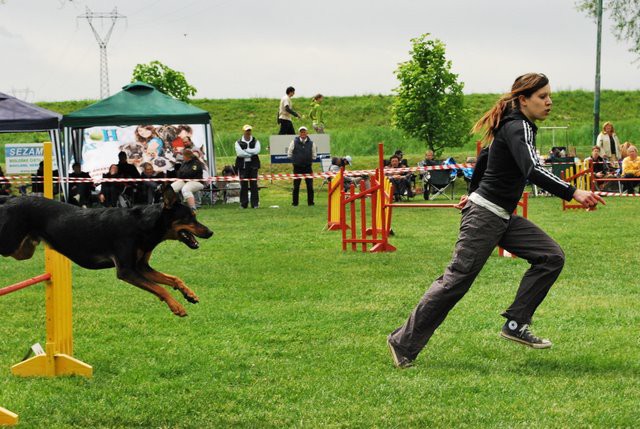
(178, 310)
(193, 299)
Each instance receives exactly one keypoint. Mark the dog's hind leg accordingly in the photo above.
(166, 279)
(27, 248)
(133, 277)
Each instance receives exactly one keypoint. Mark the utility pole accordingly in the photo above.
(596, 101)
(102, 43)
(24, 94)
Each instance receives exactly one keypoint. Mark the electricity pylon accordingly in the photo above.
(102, 43)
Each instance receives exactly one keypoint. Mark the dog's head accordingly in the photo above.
(182, 223)
(167, 133)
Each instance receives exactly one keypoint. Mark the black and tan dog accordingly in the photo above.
(104, 238)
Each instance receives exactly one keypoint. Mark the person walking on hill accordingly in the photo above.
(285, 111)
(247, 165)
(488, 221)
(302, 152)
(316, 114)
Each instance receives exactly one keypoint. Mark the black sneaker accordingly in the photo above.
(399, 361)
(520, 333)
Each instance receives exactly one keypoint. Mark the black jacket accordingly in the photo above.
(512, 161)
(191, 169)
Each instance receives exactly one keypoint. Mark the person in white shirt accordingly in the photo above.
(247, 166)
(608, 142)
(285, 111)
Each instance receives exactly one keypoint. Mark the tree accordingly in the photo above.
(626, 19)
(430, 103)
(165, 79)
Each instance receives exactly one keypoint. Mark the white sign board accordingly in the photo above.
(24, 158)
(278, 146)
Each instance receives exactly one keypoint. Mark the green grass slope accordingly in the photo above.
(358, 123)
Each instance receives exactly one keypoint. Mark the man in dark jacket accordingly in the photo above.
(302, 152)
(80, 191)
(247, 165)
(190, 170)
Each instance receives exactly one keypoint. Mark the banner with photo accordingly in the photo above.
(159, 145)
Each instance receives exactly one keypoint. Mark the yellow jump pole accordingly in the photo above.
(7, 418)
(57, 359)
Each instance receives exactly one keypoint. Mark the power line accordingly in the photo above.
(103, 40)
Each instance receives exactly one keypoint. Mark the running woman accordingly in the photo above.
(502, 171)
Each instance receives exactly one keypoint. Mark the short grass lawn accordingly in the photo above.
(290, 330)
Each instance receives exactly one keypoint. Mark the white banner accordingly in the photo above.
(159, 145)
(278, 146)
(24, 158)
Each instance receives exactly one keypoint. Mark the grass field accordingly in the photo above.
(290, 331)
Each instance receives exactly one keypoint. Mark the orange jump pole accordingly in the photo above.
(57, 359)
(7, 418)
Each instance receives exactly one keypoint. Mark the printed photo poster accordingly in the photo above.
(159, 145)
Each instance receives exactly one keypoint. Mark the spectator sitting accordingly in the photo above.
(400, 155)
(127, 171)
(5, 185)
(631, 169)
(598, 164)
(150, 188)
(80, 192)
(110, 191)
(37, 181)
(428, 161)
(231, 189)
(401, 181)
(191, 169)
(337, 163)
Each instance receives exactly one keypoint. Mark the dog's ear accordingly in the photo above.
(169, 197)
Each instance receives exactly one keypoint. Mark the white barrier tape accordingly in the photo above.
(282, 176)
(615, 194)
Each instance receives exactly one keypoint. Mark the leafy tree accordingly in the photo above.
(625, 15)
(165, 79)
(430, 103)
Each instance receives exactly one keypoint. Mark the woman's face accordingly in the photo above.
(632, 152)
(608, 128)
(145, 133)
(113, 169)
(538, 105)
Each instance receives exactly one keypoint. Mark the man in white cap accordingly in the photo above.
(247, 166)
(302, 152)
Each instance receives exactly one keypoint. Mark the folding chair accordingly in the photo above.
(438, 182)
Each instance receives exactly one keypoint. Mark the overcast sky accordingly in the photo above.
(256, 48)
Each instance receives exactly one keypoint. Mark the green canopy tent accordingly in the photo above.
(137, 104)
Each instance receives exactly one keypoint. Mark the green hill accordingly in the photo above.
(358, 123)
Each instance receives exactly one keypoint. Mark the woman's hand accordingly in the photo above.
(462, 202)
(588, 199)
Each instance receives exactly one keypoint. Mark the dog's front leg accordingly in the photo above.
(133, 277)
(165, 279)
(173, 281)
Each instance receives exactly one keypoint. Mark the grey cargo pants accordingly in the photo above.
(480, 232)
